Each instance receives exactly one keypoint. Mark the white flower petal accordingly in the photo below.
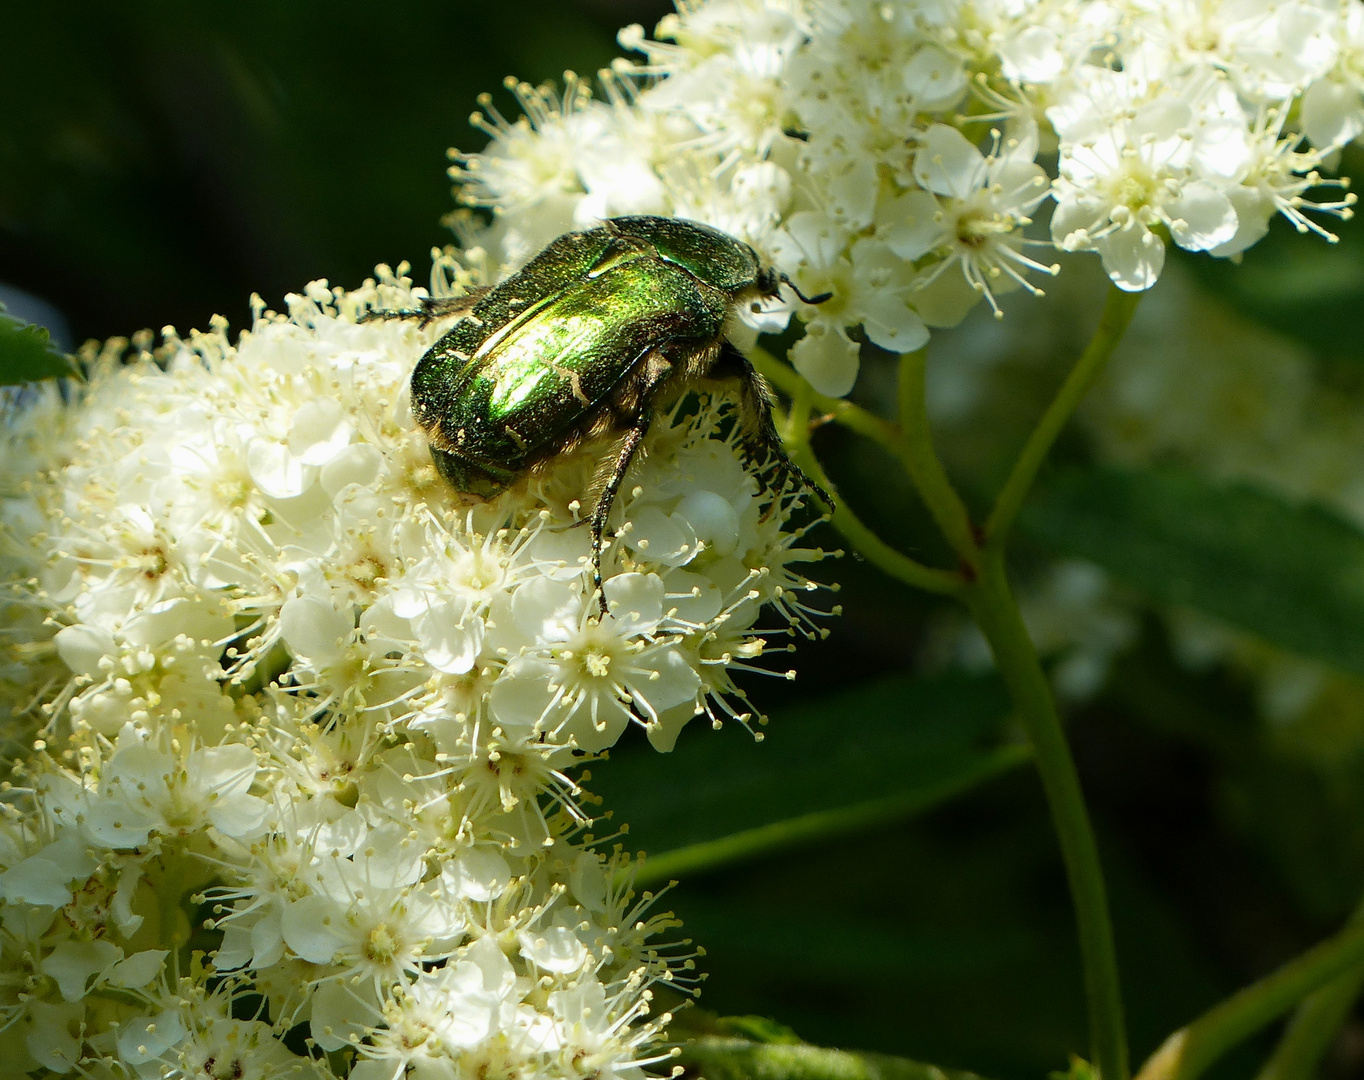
(139, 969)
(547, 610)
(241, 817)
(635, 602)
(357, 463)
(144, 1039)
(914, 225)
(276, 471)
(520, 698)
(1332, 113)
(82, 647)
(947, 163)
(1201, 217)
(712, 519)
(481, 874)
(340, 1014)
(826, 359)
(658, 537)
(72, 964)
(934, 77)
(677, 680)
(664, 731)
(320, 430)
(556, 949)
(450, 635)
(892, 324)
(52, 1036)
(313, 629)
(1133, 258)
(312, 929)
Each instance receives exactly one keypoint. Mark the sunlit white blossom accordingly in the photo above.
(281, 668)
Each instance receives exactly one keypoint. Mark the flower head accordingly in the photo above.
(291, 672)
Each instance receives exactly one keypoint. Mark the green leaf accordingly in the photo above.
(719, 1058)
(27, 355)
(833, 765)
(1079, 1069)
(1294, 575)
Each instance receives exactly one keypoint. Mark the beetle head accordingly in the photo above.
(770, 280)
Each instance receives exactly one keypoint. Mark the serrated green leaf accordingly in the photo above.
(1294, 575)
(833, 765)
(27, 353)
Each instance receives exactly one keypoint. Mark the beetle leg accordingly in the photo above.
(625, 452)
(432, 308)
(653, 372)
(755, 406)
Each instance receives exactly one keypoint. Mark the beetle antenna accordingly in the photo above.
(819, 299)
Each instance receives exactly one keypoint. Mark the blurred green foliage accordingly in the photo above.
(159, 162)
(1186, 540)
(27, 353)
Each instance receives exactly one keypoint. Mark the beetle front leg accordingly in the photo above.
(755, 405)
(625, 452)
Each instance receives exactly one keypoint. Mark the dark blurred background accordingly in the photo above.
(160, 161)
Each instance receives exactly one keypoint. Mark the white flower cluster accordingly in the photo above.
(889, 152)
(304, 719)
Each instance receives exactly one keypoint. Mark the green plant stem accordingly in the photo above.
(855, 418)
(995, 610)
(983, 585)
(1314, 1025)
(1119, 307)
(1190, 1050)
(1312, 1029)
(796, 436)
(924, 467)
(807, 828)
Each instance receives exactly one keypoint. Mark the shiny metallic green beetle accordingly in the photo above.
(579, 343)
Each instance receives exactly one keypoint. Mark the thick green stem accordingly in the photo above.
(993, 605)
(997, 613)
(925, 469)
(1192, 1049)
(1117, 316)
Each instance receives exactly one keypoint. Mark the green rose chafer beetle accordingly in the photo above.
(579, 343)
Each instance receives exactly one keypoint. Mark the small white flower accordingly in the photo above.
(870, 288)
(587, 677)
(1126, 169)
(969, 213)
